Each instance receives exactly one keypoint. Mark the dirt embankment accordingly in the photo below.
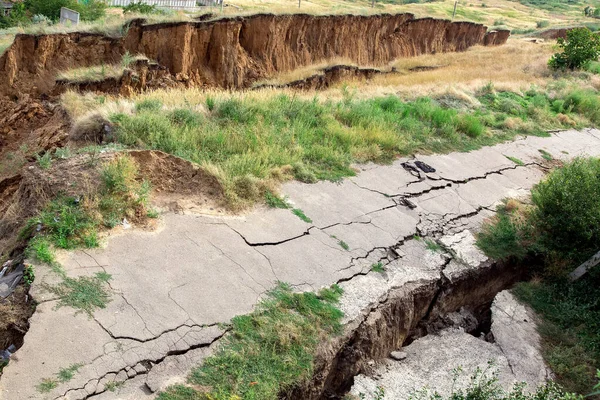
(235, 52)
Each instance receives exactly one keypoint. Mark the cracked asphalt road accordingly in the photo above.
(174, 287)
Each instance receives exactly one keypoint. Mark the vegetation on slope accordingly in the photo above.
(268, 351)
(559, 230)
(251, 144)
(74, 222)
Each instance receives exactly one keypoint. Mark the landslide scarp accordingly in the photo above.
(236, 52)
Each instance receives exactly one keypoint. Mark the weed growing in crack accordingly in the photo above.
(275, 201)
(433, 245)
(341, 243)
(113, 386)
(66, 374)
(515, 160)
(46, 385)
(545, 155)
(63, 375)
(378, 267)
(300, 214)
(268, 351)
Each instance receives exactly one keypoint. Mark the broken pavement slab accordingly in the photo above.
(172, 288)
(431, 360)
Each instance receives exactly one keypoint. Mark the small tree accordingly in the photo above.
(580, 47)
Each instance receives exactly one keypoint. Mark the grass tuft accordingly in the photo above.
(545, 155)
(378, 267)
(515, 160)
(432, 245)
(300, 214)
(66, 374)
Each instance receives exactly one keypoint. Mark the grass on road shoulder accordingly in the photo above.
(253, 142)
(268, 351)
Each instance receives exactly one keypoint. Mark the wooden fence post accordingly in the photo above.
(585, 267)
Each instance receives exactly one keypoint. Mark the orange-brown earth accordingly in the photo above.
(235, 52)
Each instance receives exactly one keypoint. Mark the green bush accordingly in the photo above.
(585, 102)
(140, 8)
(563, 222)
(579, 48)
(89, 10)
(18, 16)
(567, 209)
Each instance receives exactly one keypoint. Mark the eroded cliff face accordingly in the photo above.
(235, 52)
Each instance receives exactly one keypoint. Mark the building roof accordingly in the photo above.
(5, 4)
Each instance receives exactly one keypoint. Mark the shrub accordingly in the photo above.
(567, 209)
(563, 223)
(18, 16)
(89, 10)
(579, 48)
(140, 8)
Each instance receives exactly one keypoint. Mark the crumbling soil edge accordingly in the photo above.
(236, 52)
(397, 320)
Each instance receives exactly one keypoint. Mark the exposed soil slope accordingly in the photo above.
(235, 52)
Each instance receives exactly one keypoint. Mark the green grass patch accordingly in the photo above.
(300, 214)
(45, 160)
(515, 160)
(75, 222)
(378, 267)
(570, 329)
(275, 201)
(40, 248)
(545, 155)
(66, 374)
(85, 293)
(562, 225)
(268, 351)
(432, 245)
(344, 245)
(252, 143)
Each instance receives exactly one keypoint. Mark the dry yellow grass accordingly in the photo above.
(507, 13)
(515, 66)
